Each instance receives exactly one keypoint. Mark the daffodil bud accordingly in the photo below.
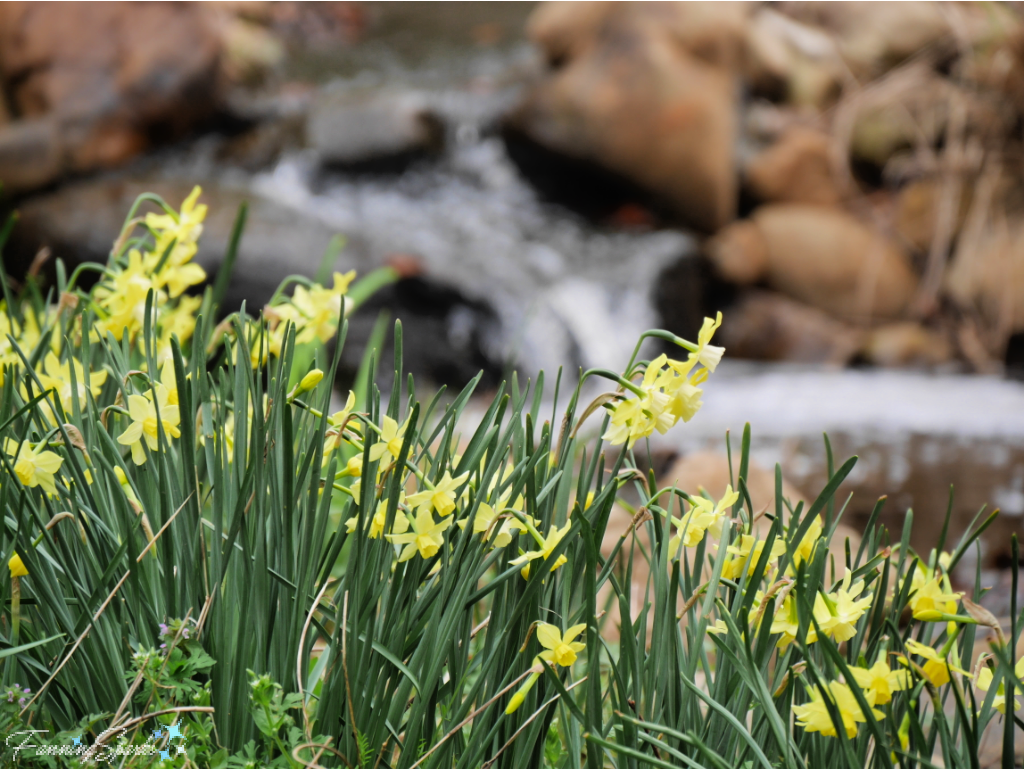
(311, 380)
(520, 696)
(354, 467)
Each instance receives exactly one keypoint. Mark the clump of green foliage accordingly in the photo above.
(211, 565)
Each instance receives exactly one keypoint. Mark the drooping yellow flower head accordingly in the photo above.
(551, 541)
(17, 567)
(34, 466)
(984, 683)
(814, 716)
(936, 669)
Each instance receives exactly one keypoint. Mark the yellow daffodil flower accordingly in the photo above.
(984, 682)
(732, 569)
(707, 354)
(179, 321)
(391, 438)
(440, 498)
(929, 601)
(719, 628)
(145, 416)
(704, 516)
(814, 716)
(881, 681)
(56, 376)
(425, 537)
(34, 466)
(124, 299)
(669, 395)
(485, 518)
(936, 669)
(337, 423)
(379, 519)
(559, 649)
(316, 311)
(845, 610)
(550, 542)
(17, 567)
(787, 620)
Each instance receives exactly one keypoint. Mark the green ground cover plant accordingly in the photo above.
(213, 566)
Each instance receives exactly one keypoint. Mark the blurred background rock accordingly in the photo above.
(843, 180)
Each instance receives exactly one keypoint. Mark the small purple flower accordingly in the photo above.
(10, 696)
(184, 632)
(163, 629)
(163, 646)
(21, 702)
(28, 691)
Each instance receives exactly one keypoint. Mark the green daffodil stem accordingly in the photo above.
(529, 526)
(603, 372)
(307, 407)
(659, 334)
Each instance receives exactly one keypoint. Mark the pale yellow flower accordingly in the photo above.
(936, 669)
(814, 716)
(391, 438)
(558, 649)
(708, 355)
(425, 538)
(123, 298)
(845, 610)
(555, 535)
(704, 516)
(145, 416)
(34, 466)
(733, 568)
(929, 601)
(787, 620)
(56, 376)
(984, 682)
(440, 498)
(880, 680)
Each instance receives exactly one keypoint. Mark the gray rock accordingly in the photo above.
(353, 127)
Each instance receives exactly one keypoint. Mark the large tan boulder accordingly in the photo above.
(110, 75)
(563, 30)
(820, 256)
(714, 32)
(651, 100)
(797, 168)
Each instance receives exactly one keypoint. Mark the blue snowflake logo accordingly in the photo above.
(170, 733)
